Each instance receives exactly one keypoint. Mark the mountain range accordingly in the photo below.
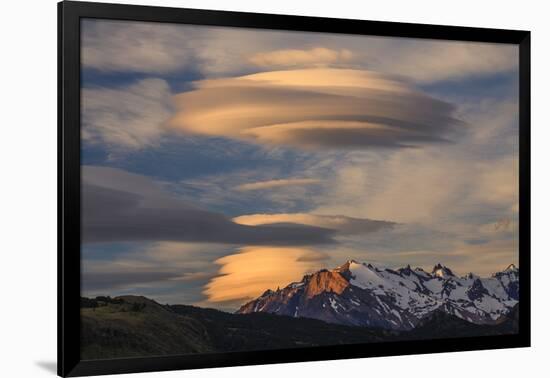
(361, 294)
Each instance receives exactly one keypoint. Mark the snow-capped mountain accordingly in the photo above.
(367, 295)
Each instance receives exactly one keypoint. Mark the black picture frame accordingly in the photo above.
(69, 276)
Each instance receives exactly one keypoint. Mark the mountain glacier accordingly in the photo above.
(361, 294)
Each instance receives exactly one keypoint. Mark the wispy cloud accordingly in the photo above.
(344, 225)
(128, 46)
(270, 184)
(128, 117)
(318, 56)
(136, 46)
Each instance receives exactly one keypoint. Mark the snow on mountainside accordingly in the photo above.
(367, 295)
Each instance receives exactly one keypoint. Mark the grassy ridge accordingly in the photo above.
(131, 326)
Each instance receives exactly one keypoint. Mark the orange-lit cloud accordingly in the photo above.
(314, 108)
(269, 184)
(340, 223)
(294, 57)
(253, 270)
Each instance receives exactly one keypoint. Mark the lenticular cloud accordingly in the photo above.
(315, 108)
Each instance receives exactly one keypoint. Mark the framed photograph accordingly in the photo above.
(239, 188)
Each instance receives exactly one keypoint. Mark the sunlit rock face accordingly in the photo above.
(325, 282)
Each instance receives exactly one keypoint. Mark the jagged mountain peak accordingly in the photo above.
(407, 271)
(511, 268)
(346, 266)
(511, 271)
(441, 271)
(267, 293)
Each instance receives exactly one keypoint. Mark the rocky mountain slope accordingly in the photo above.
(358, 294)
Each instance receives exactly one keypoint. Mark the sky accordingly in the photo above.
(220, 162)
